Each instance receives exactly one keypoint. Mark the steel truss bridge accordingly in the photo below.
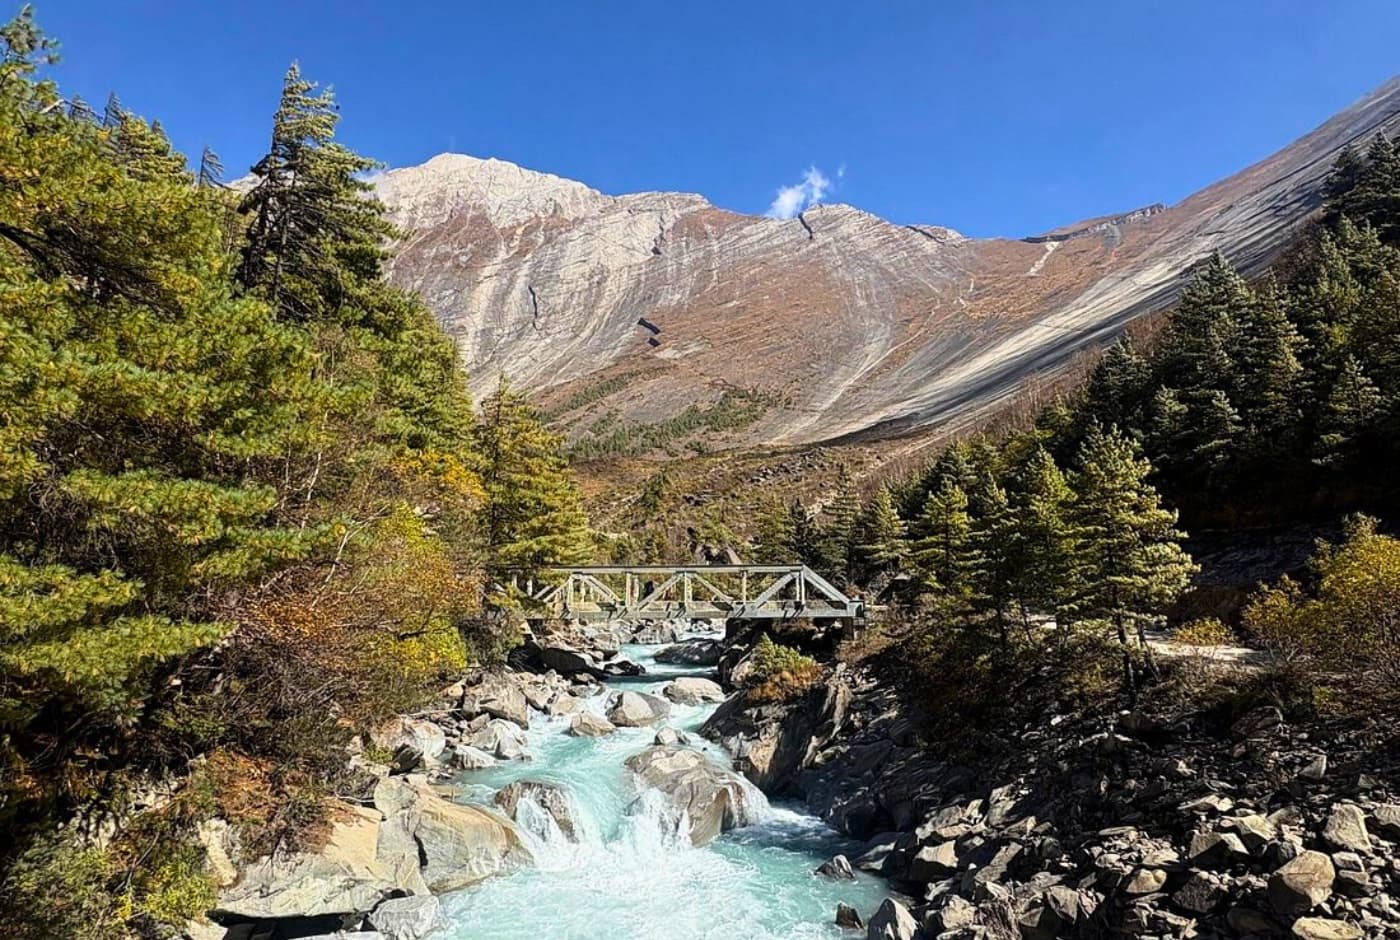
(699, 592)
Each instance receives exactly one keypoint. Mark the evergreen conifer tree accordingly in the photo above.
(532, 517)
(774, 541)
(837, 533)
(1268, 371)
(1048, 570)
(1348, 416)
(315, 233)
(883, 547)
(942, 551)
(1117, 386)
(1131, 543)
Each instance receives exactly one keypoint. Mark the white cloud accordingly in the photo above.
(791, 200)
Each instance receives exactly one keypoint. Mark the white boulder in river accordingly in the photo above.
(693, 690)
(637, 709)
(713, 799)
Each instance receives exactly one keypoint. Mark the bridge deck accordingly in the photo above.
(709, 592)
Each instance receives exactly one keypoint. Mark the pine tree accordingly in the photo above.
(942, 551)
(532, 517)
(1049, 576)
(80, 110)
(316, 233)
(1117, 387)
(883, 547)
(1268, 371)
(775, 536)
(1131, 543)
(1345, 173)
(144, 150)
(1194, 353)
(1349, 415)
(113, 111)
(1375, 198)
(211, 169)
(837, 533)
(993, 552)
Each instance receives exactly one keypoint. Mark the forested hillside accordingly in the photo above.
(246, 507)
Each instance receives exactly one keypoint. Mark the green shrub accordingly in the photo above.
(780, 673)
(1343, 635)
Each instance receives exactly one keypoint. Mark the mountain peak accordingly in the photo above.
(508, 194)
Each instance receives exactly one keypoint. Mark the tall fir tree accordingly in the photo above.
(883, 544)
(1268, 371)
(532, 517)
(992, 552)
(315, 232)
(1118, 386)
(1131, 543)
(942, 550)
(1047, 548)
(775, 535)
(838, 529)
(1348, 417)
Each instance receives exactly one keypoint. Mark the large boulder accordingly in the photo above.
(1346, 828)
(457, 845)
(570, 662)
(692, 653)
(424, 737)
(551, 798)
(501, 739)
(1302, 884)
(654, 633)
(407, 918)
(771, 744)
(350, 873)
(713, 799)
(498, 695)
(693, 690)
(892, 922)
(589, 725)
(637, 709)
(1322, 928)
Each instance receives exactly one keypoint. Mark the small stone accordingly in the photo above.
(934, 861)
(1302, 884)
(1387, 817)
(1316, 769)
(1201, 894)
(1145, 881)
(1254, 830)
(1213, 848)
(1346, 828)
(1322, 928)
(1212, 804)
(848, 917)
(956, 913)
(466, 757)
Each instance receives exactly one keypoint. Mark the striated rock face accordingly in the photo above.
(852, 324)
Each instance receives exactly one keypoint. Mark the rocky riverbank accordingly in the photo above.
(1160, 822)
(401, 837)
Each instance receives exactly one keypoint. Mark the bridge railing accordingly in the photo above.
(647, 592)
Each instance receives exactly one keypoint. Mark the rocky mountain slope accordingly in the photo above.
(632, 309)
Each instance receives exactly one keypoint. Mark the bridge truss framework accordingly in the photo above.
(700, 592)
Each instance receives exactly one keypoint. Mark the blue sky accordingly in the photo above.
(994, 118)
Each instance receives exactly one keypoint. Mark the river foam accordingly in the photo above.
(632, 873)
